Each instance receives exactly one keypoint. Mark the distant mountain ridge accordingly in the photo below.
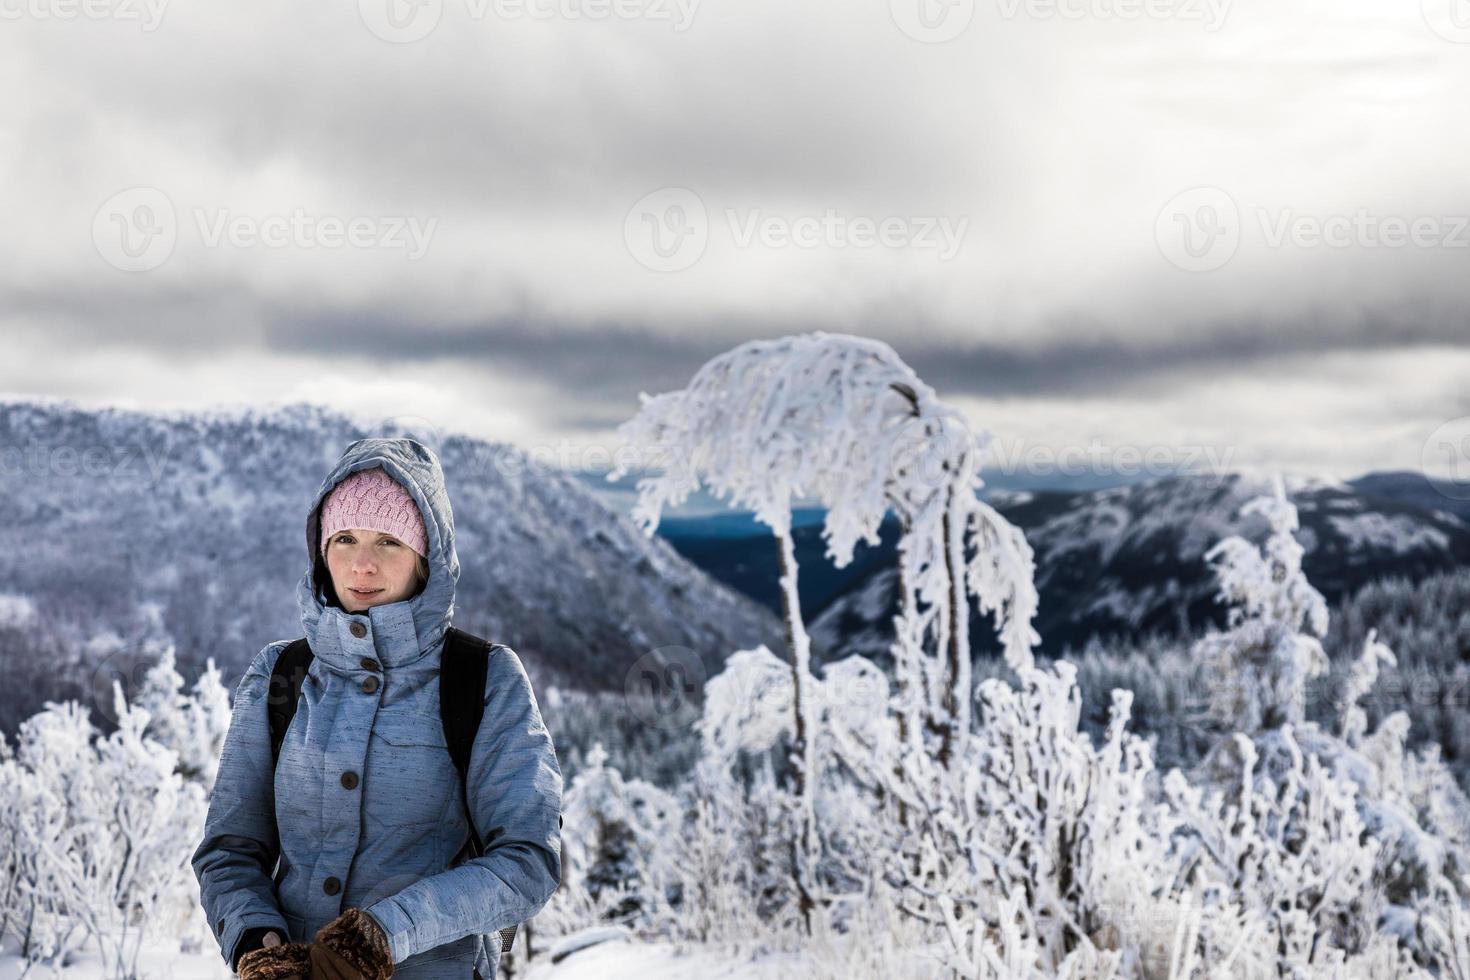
(1113, 562)
(118, 527)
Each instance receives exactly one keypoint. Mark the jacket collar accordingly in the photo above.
(403, 633)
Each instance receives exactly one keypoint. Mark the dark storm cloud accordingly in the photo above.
(602, 365)
(607, 364)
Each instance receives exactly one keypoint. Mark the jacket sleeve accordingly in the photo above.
(234, 861)
(514, 787)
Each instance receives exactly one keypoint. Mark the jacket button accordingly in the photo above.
(331, 886)
(370, 685)
(358, 630)
(349, 779)
(369, 663)
(219, 927)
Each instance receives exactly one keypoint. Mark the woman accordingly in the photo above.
(365, 810)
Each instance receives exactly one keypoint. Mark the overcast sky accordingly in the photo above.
(1233, 232)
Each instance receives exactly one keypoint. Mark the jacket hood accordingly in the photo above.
(428, 613)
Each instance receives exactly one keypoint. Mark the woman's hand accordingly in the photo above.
(276, 960)
(351, 947)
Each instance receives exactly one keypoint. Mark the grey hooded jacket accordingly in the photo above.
(365, 809)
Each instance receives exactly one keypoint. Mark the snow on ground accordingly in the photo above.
(605, 961)
(1399, 534)
(660, 961)
(156, 961)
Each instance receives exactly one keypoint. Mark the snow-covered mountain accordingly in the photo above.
(1127, 560)
(118, 528)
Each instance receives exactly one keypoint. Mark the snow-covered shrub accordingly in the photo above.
(1261, 665)
(615, 854)
(733, 861)
(100, 830)
(1032, 853)
(1408, 806)
(1286, 850)
(40, 923)
(1290, 844)
(193, 725)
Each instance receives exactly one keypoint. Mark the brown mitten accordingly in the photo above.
(351, 947)
(288, 961)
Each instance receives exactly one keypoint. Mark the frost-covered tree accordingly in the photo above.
(1261, 664)
(125, 852)
(1334, 836)
(100, 830)
(615, 844)
(45, 781)
(844, 420)
(192, 725)
(1360, 681)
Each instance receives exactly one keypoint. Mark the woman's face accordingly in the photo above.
(370, 568)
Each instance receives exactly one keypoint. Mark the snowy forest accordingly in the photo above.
(938, 815)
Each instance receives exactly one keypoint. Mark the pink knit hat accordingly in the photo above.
(374, 501)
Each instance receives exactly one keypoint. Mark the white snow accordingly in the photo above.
(16, 610)
(608, 959)
(663, 961)
(1398, 533)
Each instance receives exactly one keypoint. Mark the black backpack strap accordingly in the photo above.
(462, 667)
(285, 691)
